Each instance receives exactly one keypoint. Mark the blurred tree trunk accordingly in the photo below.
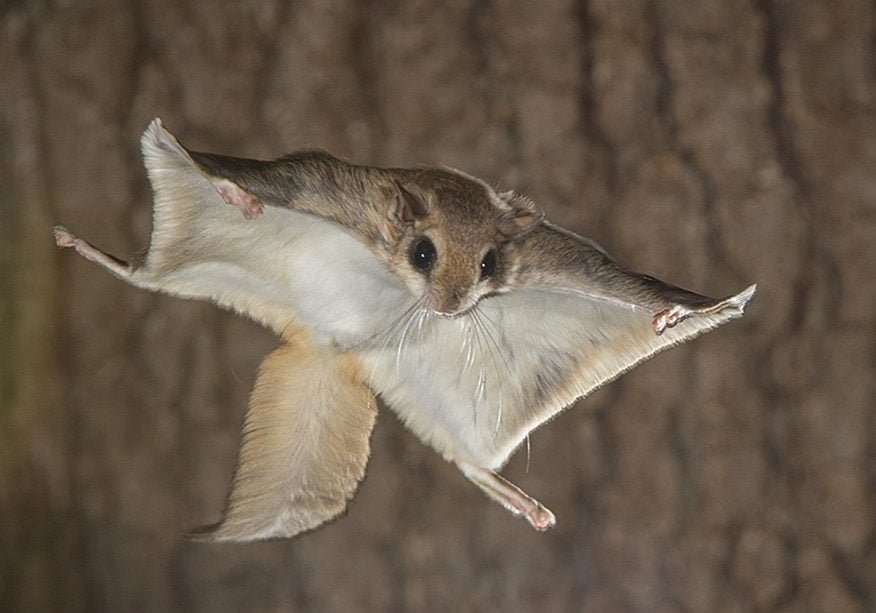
(712, 144)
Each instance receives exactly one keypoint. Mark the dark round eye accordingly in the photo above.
(488, 264)
(423, 255)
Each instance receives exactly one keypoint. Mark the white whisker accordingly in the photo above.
(528, 453)
(389, 333)
(481, 389)
(492, 343)
(423, 316)
(404, 338)
(470, 336)
(489, 346)
(499, 415)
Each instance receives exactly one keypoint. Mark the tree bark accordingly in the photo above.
(712, 144)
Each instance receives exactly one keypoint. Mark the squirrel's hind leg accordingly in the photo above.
(510, 496)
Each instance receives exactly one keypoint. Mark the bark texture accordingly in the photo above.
(711, 143)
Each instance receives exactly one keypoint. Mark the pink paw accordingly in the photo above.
(235, 195)
(63, 237)
(668, 318)
(541, 519)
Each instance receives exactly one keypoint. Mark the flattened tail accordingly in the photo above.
(298, 467)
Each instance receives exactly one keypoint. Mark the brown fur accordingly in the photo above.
(556, 319)
(305, 443)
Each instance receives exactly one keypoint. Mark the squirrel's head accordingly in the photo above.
(456, 238)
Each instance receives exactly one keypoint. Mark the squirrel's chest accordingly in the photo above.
(465, 386)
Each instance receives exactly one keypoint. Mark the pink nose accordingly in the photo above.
(448, 306)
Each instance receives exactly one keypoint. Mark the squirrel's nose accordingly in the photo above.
(448, 305)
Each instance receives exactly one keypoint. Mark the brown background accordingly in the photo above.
(711, 144)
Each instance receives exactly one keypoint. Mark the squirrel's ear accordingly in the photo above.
(520, 217)
(409, 207)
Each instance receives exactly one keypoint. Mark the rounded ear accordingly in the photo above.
(409, 207)
(520, 217)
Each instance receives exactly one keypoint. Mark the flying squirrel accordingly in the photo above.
(470, 315)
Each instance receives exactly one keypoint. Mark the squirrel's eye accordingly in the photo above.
(423, 255)
(488, 264)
